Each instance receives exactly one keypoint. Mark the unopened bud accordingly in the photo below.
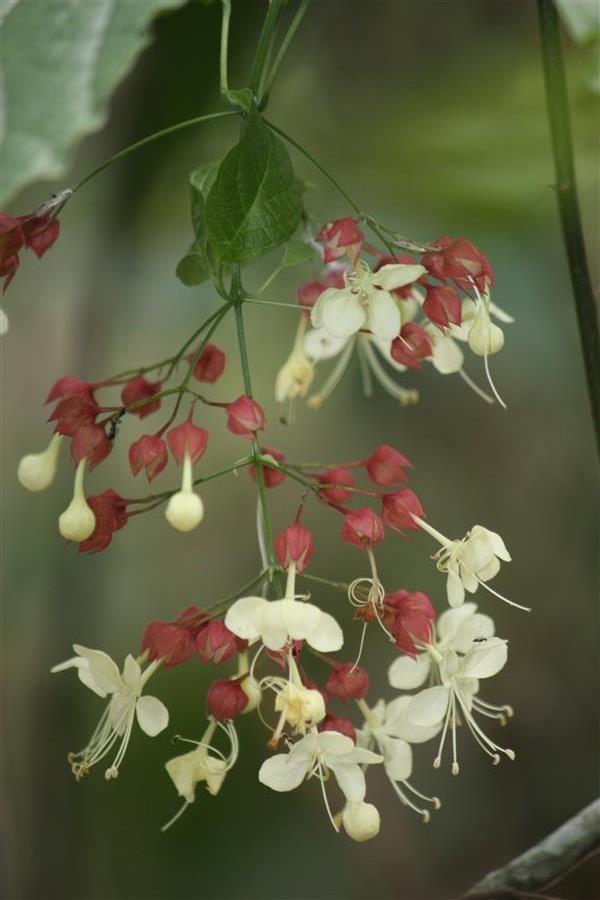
(226, 699)
(185, 509)
(361, 820)
(485, 338)
(37, 470)
(348, 682)
(78, 522)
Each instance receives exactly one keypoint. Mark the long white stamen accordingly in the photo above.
(486, 342)
(475, 387)
(424, 813)
(438, 759)
(179, 813)
(455, 766)
(360, 648)
(325, 800)
(334, 379)
(404, 395)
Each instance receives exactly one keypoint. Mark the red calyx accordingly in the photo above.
(398, 509)
(409, 616)
(68, 386)
(149, 453)
(337, 723)
(74, 412)
(309, 292)
(245, 417)
(348, 682)
(16, 233)
(294, 545)
(411, 346)
(459, 260)
(339, 237)
(386, 466)
(141, 389)
(225, 699)
(215, 643)
(362, 527)
(211, 364)
(173, 642)
(272, 477)
(110, 510)
(336, 475)
(90, 442)
(442, 306)
(187, 438)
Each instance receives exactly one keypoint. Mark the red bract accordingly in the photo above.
(245, 417)
(337, 476)
(173, 642)
(110, 510)
(272, 477)
(339, 237)
(187, 438)
(225, 699)
(362, 527)
(309, 292)
(411, 346)
(294, 545)
(348, 682)
(16, 233)
(140, 389)
(409, 616)
(67, 386)
(442, 306)
(149, 453)
(211, 364)
(337, 723)
(386, 466)
(281, 657)
(74, 412)
(90, 442)
(459, 260)
(215, 642)
(399, 508)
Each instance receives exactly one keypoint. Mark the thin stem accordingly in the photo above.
(149, 139)
(264, 44)
(283, 49)
(338, 585)
(223, 81)
(273, 303)
(557, 103)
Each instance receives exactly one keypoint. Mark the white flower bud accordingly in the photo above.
(294, 378)
(37, 470)
(185, 509)
(361, 820)
(251, 688)
(303, 707)
(485, 338)
(4, 326)
(78, 522)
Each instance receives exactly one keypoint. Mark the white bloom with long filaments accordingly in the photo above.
(98, 672)
(78, 522)
(316, 755)
(388, 726)
(365, 301)
(469, 562)
(301, 707)
(277, 622)
(463, 652)
(37, 470)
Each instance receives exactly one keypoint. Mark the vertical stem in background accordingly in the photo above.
(264, 45)
(568, 203)
(223, 79)
(294, 25)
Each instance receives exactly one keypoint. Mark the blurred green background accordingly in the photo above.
(432, 114)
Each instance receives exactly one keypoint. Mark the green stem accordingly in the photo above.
(264, 43)
(338, 585)
(283, 49)
(150, 139)
(224, 83)
(568, 203)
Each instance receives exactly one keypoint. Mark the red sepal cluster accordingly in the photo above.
(409, 616)
(411, 346)
(348, 682)
(337, 723)
(173, 642)
(294, 545)
(340, 237)
(110, 511)
(210, 365)
(35, 232)
(149, 453)
(442, 306)
(362, 527)
(398, 509)
(215, 643)
(187, 438)
(245, 417)
(459, 260)
(91, 442)
(141, 389)
(226, 699)
(386, 466)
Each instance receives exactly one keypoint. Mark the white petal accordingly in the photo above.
(131, 671)
(271, 624)
(490, 571)
(485, 338)
(180, 770)
(452, 619)
(454, 588)
(328, 636)
(496, 542)
(397, 759)
(406, 673)
(485, 659)
(384, 316)
(468, 579)
(447, 357)
(282, 772)
(501, 314)
(83, 671)
(241, 618)
(429, 707)
(340, 312)
(152, 715)
(350, 779)
(319, 344)
(363, 756)
(299, 619)
(397, 275)
(103, 669)
(332, 743)
(475, 626)
(478, 549)
(398, 725)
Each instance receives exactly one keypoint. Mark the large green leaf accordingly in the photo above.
(61, 61)
(194, 267)
(255, 203)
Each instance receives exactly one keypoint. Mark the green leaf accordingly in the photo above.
(194, 267)
(61, 62)
(297, 251)
(255, 203)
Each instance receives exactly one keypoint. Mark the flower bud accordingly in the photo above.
(110, 512)
(226, 699)
(90, 443)
(188, 440)
(399, 508)
(185, 510)
(141, 389)
(37, 470)
(386, 466)
(362, 527)
(272, 477)
(68, 386)
(294, 545)
(340, 237)
(215, 643)
(337, 723)
(411, 346)
(245, 417)
(77, 522)
(150, 453)
(409, 617)
(442, 306)
(211, 364)
(459, 260)
(173, 642)
(337, 475)
(348, 682)
(74, 412)
(361, 820)
(485, 338)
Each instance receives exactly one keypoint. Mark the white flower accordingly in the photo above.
(388, 726)
(317, 755)
(98, 672)
(464, 652)
(294, 378)
(446, 357)
(301, 707)
(185, 509)
(37, 470)
(78, 522)
(365, 301)
(469, 562)
(361, 820)
(276, 622)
